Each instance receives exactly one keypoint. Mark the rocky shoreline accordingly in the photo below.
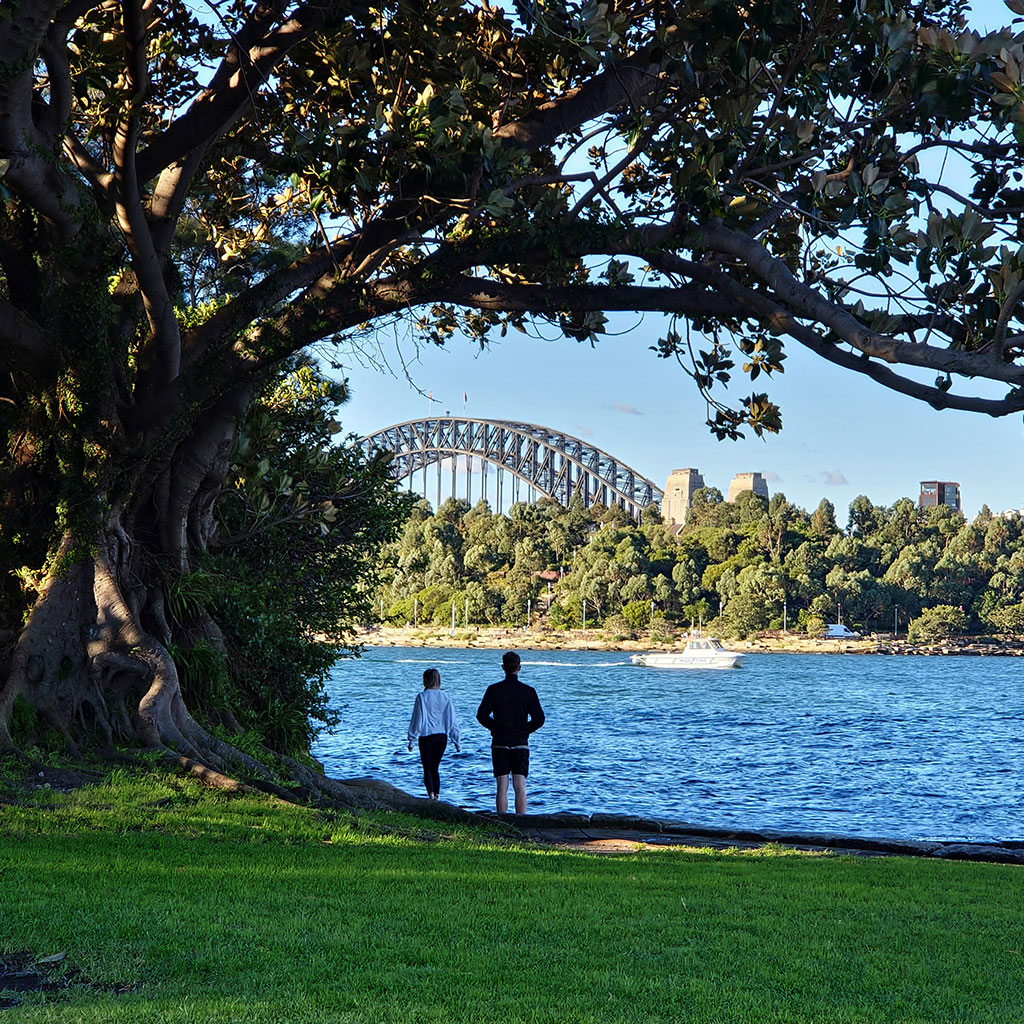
(619, 833)
(616, 833)
(494, 638)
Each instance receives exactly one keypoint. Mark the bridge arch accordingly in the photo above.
(549, 462)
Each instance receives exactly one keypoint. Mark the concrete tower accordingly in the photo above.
(679, 490)
(747, 482)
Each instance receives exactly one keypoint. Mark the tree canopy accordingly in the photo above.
(737, 567)
(192, 195)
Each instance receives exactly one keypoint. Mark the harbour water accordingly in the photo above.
(862, 745)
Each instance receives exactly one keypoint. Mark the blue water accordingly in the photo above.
(863, 745)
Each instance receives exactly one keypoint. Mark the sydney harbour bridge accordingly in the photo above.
(540, 461)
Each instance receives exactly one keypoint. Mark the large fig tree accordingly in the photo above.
(838, 174)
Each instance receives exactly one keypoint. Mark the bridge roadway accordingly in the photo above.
(550, 463)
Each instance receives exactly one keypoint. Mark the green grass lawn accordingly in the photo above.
(218, 909)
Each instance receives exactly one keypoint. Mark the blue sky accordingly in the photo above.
(842, 434)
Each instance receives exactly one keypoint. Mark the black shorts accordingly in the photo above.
(510, 761)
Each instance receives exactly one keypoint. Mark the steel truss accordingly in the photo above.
(554, 464)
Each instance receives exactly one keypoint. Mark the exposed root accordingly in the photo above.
(370, 795)
(218, 780)
(211, 778)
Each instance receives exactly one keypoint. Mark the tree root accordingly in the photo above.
(217, 780)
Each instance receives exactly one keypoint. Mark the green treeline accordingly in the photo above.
(737, 567)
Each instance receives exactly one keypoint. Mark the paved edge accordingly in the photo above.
(617, 833)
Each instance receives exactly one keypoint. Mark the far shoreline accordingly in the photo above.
(538, 638)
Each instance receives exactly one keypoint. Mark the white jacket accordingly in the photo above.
(433, 713)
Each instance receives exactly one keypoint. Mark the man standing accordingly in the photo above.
(510, 711)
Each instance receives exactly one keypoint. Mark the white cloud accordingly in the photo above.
(629, 410)
(834, 478)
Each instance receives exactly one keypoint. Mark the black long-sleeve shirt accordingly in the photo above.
(511, 711)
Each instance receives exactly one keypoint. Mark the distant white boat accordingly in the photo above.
(699, 652)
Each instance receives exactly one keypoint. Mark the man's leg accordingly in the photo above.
(501, 801)
(519, 786)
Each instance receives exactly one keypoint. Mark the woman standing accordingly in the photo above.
(433, 721)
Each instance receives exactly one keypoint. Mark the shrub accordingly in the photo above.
(1009, 619)
(937, 623)
(815, 625)
(746, 614)
(618, 627)
(637, 613)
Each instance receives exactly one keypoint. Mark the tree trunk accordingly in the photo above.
(89, 662)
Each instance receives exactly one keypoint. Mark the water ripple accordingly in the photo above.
(869, 745)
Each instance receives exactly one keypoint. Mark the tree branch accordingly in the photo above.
(258, 300)
(629, 82)
(481, 293)
(935, 397)
(21, 37)
(781, 320)
(23, 345)
(344, 261)
(805, 302)
(160, 359)
(176, 176)
(242, 73)
(31, 174)
(91, 169)
(54, 52)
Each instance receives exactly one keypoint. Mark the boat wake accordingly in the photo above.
(577, 664)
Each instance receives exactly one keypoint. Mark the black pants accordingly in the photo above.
(431, 752)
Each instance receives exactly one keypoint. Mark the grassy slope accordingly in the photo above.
(240, 910)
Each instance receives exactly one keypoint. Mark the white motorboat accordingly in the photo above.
(699, 652)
